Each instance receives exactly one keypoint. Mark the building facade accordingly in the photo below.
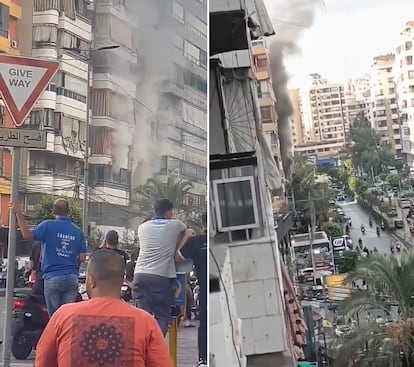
(296, 122)
(266, 95)
(404, 75)
(384, 115)
(62, 34)
(11, 14)
(182, 120)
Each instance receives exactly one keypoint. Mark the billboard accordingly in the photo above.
(338, 289)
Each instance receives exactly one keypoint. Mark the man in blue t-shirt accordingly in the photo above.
(63, 250)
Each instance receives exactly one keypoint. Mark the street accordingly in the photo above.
(370, 239)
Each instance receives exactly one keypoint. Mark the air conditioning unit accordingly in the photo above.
(13, 43)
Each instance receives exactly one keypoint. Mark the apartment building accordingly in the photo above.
(266, 95)
(383, 107)
(60, 33)
(11, 13)
(182, 121)
(325, 112)
(113, 120)
(296, 123)
(404, 75)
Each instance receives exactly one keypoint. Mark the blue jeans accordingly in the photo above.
(60, 290)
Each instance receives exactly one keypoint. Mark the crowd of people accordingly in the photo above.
(104, 328)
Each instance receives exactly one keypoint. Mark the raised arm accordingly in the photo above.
(16, 208)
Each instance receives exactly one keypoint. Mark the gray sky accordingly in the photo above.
(344, 37)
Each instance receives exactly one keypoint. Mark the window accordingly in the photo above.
(81, 7)
(193, 141)
(411, 74)
(101, 140)
(178, 12)
(45, 119)
(4, 21)
(195, 82)
(42, 5)
(261, 63)
(408, 45)
(71, 86)
(409, 60)
(178, 41)
(76, 44)
(266, 113)
(45, 35)
(195, 54)
(196, 25)
(194, 116)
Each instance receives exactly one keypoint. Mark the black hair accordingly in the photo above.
(107, 266)
(162, 206)
(61, 207)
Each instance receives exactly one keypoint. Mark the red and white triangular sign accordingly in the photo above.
(22, 81)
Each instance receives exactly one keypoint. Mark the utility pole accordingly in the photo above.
(312, 234)
(85, 206)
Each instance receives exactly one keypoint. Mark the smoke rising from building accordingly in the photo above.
(291, 18)
(152, 40)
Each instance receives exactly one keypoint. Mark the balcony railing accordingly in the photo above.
(50, 172)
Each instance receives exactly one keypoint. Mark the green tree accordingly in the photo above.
(389, 283)
(332, 229)
(44, 210)
(366, 151)
(347, 262)
(356, 185)
(174, 189)
(308, 183)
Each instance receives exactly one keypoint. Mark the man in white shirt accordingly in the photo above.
(155, 271)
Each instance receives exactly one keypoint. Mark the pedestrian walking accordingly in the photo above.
(195, 248)
(155, 271)
(102, 330)
(63, 250)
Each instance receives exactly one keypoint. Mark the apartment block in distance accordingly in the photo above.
(10, 13)
(324, 111)
(384, 114)
(61, 109)
(267, 98)
(404, 74)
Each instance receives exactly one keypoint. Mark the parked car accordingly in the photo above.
(405, 204)
(398, 223)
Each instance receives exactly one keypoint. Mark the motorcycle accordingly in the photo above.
(392, 249)
(378, 232)
(398, 247)
(382, 225)
(370, 222)
(30, 318)
(126, 291)
(363, 230)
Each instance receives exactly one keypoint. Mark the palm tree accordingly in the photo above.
(174, 189)
(390, 282)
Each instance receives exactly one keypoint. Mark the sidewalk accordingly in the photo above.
(187, 347)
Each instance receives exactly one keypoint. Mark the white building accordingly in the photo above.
(383, 107)
(61, 110)
(404, 74)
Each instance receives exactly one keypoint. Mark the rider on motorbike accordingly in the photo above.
(375, 249)
(362, 228)
(360, 242)
(370, 221)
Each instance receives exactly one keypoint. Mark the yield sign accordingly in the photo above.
(22, 81)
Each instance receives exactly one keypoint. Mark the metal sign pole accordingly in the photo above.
(11, 259)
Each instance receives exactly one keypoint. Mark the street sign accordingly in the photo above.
(22, 138)
(22, 81)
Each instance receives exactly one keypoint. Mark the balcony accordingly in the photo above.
(269, 126)
(173, 89)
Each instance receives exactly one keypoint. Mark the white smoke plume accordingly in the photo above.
(152, 41)
(290, 19)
